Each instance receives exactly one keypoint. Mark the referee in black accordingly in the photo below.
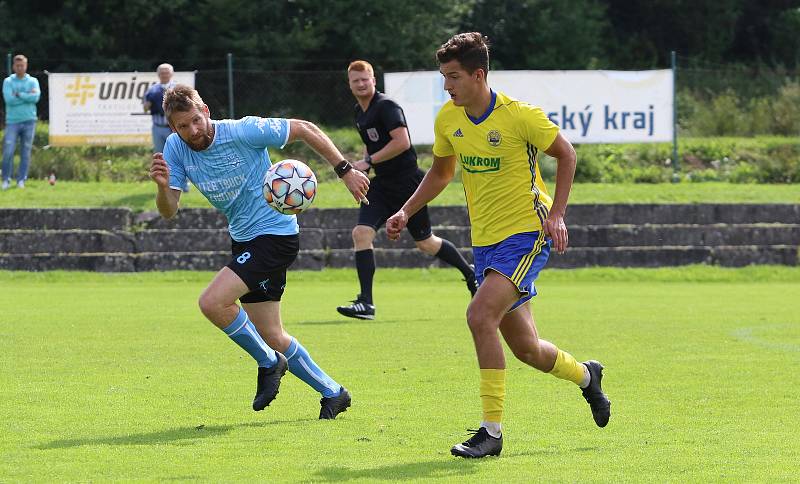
(382, 126)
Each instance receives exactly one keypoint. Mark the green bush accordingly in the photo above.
(726, 114)
(130, 163)
(787, 110)
(738, 160)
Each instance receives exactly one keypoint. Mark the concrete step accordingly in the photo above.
(203, 240)
(590, 214)
(684, 235)
(65, 218)
(731, 256)
(693, 214)
(609, 236)
(71, 241)
(148, 261)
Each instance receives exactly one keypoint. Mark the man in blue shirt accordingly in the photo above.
(21, 93)
(152, 100)
(227, 161)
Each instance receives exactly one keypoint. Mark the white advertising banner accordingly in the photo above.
(589, 106)
(102, 108)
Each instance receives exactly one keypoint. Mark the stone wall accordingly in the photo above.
(117, 239)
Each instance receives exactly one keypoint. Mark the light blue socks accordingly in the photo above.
(244, 333)
(303, 367)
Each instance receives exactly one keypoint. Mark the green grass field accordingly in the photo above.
(118, 377)
(141, 196)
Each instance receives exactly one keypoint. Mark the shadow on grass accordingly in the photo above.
(412, 470)
(169, 436)
(453, 467)
(344, 320)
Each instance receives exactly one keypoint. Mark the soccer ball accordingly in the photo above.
(290, 186)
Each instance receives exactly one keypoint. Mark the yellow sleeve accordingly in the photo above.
(536, 127)
(441, 144)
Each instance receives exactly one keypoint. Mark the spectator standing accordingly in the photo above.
(152, 101)
(21, 93)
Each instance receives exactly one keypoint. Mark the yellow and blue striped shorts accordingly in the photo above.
(519, 258)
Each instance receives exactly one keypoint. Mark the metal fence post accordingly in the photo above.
(230, 86)
(8, 63)
(676, 164)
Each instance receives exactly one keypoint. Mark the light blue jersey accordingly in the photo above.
(230, 173)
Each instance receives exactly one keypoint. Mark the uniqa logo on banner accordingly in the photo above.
(82, 89)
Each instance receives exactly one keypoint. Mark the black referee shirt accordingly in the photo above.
(374, 124)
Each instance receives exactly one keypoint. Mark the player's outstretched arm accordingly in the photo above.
(436, 180)
(554, 226)
(356, 182)
(166, 199)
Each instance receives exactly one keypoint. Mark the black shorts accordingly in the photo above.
(261, 263)
(387, 195)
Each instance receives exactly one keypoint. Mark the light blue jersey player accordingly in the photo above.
(230, 173)
(226, 161)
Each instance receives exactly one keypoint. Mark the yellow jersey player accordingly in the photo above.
(515, 223)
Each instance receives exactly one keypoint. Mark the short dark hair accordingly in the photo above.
(470, 49)
(181, 98)
(20, 57)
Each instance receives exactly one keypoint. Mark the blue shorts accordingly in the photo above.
(519, 258)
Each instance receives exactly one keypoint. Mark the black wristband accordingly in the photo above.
(342, 168)
(368, 159)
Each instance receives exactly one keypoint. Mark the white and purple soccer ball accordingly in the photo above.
(290, 186)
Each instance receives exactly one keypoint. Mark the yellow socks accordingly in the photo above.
(567, 368)
(493, 393)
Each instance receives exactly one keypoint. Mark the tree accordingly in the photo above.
(542, 34)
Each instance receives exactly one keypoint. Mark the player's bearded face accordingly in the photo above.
(194, 127)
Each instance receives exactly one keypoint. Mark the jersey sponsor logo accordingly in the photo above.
(274, 124)
(479, 164)
(372, 134)
(494, 137)
(458, 134)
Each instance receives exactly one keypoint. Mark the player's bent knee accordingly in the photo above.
(428, 246)
(481, 320)
(210, 306)
(206, 305)
(363, 235)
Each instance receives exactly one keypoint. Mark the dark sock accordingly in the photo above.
(365, 265)
(452, 256)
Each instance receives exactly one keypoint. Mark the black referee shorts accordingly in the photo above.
(386, 195)
(262, 263)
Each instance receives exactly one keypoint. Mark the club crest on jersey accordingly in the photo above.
(494, 137)
(372, 134)
(233, 160)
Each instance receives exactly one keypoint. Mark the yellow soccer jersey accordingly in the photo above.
(498, 156)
